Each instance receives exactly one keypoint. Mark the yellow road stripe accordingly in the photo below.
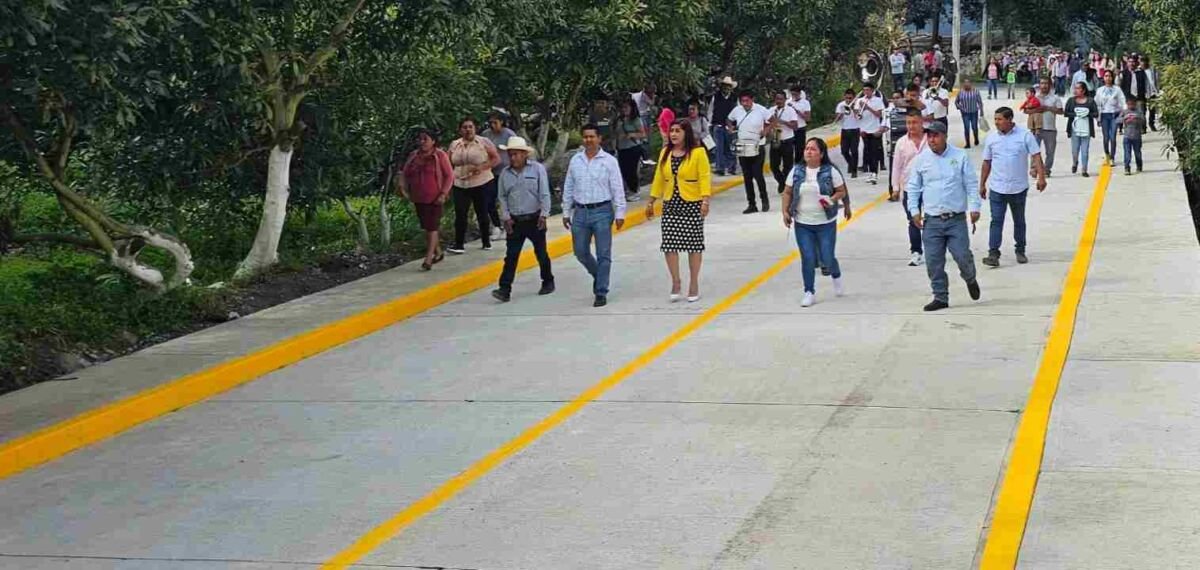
(444, 492)
(106, 421)
(1025, 462)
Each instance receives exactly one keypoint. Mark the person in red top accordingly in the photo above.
(426, 182)
(665, 119)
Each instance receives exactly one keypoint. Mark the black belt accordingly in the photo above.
(594, 206)
(527, 217)
(948, 215)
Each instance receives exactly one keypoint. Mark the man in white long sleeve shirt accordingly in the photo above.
(593, 198)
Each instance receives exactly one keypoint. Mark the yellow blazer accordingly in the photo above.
(695, 177)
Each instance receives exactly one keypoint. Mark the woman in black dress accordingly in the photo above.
(683, 181)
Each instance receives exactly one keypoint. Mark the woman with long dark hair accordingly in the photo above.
(473, 158)
(1081, 112)
(630, 134)
(683, 180)
(810, 206)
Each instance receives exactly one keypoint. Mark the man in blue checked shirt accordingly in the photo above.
(593, 198)
(943, 181)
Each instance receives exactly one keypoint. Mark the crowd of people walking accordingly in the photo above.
(730, 133)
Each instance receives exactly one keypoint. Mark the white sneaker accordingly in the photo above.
(839, 288)
(809, 299)
(874, 179)
(916, 260)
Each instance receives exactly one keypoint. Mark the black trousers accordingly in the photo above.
(630, 160)
(525, 228)
(798, 143)
(782, 159)
(872, 152)
(850, 149)
(752, 171)
(464, 198)
(491, 203)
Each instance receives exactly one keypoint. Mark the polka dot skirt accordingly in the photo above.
(682, 224)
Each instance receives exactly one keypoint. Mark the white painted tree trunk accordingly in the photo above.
(562, 136)
(265, 251)
(126, 260)
(385, 224)
(362, 239)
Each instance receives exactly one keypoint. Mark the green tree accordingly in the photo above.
(1170, 32)
(72, 72)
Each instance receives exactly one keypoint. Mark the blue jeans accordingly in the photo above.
(725, 160)
(1108, 123)
(993, 88)
(1079, 151)
(970, 125)
(898, 82)
(817, 245)
(1133, 147)
(597, 223)
(939, 236)
(1000, 204)
(1060, 85)
(914, 233)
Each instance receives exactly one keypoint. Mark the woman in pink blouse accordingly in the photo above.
(426, 181)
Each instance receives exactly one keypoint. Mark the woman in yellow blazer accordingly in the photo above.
(683, 181)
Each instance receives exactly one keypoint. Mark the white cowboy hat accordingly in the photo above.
(517, 143)
(727, 80)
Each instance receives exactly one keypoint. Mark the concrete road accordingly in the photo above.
(859, 433)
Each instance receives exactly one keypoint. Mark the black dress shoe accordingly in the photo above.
(547, 288)
(501, 295)
(750, 210)
(973, 289)
(601, 301)
(936, 305)
(766, 206)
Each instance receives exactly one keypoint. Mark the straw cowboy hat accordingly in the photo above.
(517, 143)
(727, 80)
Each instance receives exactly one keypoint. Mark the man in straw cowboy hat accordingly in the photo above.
(718, 112)
(524, 199)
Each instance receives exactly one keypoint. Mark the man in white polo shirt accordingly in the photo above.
(937, 101)
(799, 103)
(870, 127)
(749, 120)
(782, 136)
(1006, 153)
(897, 61)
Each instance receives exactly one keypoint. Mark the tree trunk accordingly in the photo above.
(562, 136)
(363, 239)
(385, 223)
(265, 251)
(936, 35)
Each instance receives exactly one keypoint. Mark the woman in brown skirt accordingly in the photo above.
(683, 181)
(427, 180)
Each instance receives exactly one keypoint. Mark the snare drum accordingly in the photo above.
(746, 148)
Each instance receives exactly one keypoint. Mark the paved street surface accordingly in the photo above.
(860, 433)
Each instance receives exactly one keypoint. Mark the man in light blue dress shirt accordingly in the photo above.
(1004, 181)
(593, 198)
(943, 182)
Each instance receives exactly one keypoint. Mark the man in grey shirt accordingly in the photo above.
(524, 196)
(1051, 105)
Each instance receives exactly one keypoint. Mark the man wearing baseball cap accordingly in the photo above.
(524, 199)
(942, 191)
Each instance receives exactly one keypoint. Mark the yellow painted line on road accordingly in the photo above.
(1011, 514)
(106, 421)
(392, 527)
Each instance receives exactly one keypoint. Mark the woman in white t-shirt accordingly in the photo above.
(811, 199)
